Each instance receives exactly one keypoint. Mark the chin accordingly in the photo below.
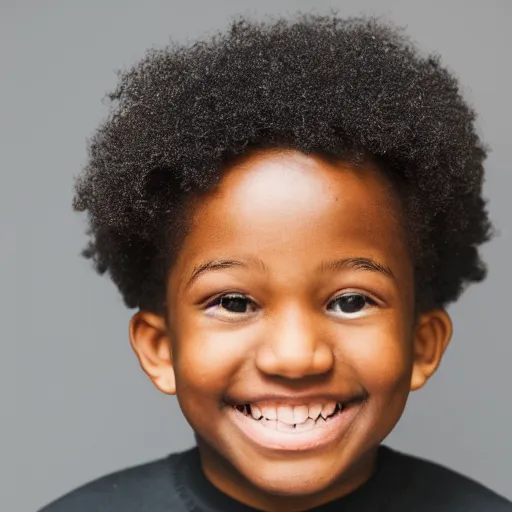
(292, 478)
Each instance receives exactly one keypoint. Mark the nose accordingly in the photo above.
(294, 347)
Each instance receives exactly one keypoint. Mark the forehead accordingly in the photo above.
(273, 190)
(296, 210)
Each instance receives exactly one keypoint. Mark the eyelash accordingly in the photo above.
(367, 299)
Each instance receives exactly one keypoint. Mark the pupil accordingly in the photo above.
(352, 303)
(234, 304)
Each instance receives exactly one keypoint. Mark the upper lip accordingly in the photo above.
(297, 398)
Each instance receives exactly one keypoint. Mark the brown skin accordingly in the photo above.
(292, 212)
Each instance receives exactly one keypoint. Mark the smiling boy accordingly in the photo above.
(290, 206)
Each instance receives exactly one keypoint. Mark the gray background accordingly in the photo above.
(75, 404)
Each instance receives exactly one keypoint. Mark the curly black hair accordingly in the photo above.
(345, 88)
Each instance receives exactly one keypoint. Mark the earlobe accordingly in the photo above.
(150, 341)
(432, 335)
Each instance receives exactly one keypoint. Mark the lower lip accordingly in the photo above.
(320, 436)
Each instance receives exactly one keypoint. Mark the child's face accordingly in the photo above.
(302, 243)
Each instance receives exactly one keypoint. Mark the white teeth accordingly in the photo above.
(314, 411)
(328, 409)
(307, 425)
(269, 412)
(300, 413)
(256, 412)
(289, 414)
(285, 414)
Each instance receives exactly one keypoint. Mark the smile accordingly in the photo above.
(291, 418)
(294, 427)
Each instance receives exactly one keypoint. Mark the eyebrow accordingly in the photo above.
(357, 264)
(367, 264)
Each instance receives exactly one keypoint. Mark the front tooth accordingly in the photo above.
(269, 411)
(328, 409)
(256, 412)
(285, 414)
(309, 424)
(314, 411)
(300, 413)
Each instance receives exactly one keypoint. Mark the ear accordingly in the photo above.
(150, 342)
(432, 334)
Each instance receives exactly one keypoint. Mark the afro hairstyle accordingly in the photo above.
(348, 89)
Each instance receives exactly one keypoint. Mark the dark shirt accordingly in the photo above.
(401, 483)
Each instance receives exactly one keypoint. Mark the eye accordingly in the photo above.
(351, 304)
(230, 306)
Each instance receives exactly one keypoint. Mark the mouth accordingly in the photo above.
(288, 418)
(304, 426)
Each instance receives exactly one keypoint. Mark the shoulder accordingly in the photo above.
(431, 486)
(132, 489)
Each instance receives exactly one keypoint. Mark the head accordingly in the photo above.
(290, 206)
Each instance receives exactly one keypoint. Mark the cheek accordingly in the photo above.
(381, 356)
(206, 357)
